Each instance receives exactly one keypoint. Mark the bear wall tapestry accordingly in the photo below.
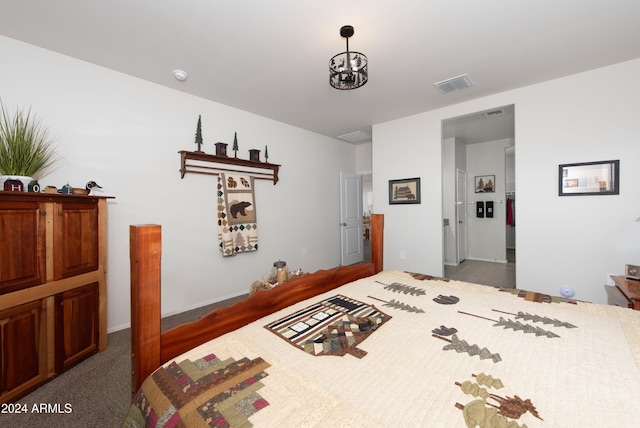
(237, 226)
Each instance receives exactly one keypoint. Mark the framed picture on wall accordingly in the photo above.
(485, 183)
(589, 178)
(632, 272)
(405, 191)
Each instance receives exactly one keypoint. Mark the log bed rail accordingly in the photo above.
(150, 347)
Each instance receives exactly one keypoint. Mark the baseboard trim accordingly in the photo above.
(488, 260)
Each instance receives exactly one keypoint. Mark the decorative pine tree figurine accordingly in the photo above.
(266, 154)
(199, 134)
(235, 144)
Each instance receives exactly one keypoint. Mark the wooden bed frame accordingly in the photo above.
(150, 347)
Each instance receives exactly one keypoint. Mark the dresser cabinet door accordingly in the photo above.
(76, 325)
(75, 239)
(22, 245)
(22, 342)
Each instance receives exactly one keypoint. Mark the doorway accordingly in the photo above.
(351, 224)
(476, 248)
(367, 206)
(510, 201)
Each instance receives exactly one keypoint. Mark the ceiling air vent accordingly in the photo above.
(453, 84)
(355, 137)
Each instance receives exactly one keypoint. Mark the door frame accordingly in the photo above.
(461, 216)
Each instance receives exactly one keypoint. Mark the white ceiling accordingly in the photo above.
(271, 57)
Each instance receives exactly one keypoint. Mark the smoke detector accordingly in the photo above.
(181, 75)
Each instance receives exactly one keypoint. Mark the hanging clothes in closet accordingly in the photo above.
(511, 211)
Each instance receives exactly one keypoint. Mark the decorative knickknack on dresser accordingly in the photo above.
(53, 286)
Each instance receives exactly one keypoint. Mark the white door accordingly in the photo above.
(461, 215)
(351, 236)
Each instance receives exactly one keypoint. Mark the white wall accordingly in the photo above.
(414, 229)
(486, 236)
(363, 165)
(363, 158)
(571, 241)
(125, 134)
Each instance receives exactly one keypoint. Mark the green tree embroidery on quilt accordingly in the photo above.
(488, 380)
(461, 346)
(396, 287)
(537, 318)
(481, 413)
(515, 325)
(403, 307)
(525, 328)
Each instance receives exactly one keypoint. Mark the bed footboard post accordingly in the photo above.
(377, 247)
(145, 251)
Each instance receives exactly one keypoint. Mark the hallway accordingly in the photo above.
(486, 273)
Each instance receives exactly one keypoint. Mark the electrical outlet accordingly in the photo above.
(303, 251)
(403, 254)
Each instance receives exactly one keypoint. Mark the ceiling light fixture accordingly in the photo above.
(348, 70)
(181, 75)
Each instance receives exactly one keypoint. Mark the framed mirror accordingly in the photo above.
(589, 178)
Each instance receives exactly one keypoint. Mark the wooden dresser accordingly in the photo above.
(627, 292)
(53, 286)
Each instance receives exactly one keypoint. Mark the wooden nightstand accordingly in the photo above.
(627, 292)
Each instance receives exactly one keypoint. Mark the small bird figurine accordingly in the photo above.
(90, 186)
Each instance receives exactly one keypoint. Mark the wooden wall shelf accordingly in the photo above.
(244, 166)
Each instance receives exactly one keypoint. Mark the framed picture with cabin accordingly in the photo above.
(405, 191)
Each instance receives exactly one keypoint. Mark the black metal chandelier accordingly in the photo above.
(348, 70)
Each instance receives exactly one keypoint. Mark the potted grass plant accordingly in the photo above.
(26, 149)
